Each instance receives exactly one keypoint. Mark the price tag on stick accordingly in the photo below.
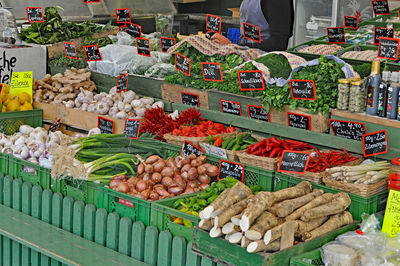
(143, 47)
(336, 35)
(299, 121)
(257, 112)
(382, 32)
(182, 64)
(230, 107)
(374, 143)
(388, 48)
(227, 168)
(380, 7)
(70, 50)
(347, 129)
(213, 23)
(351, 22)
(212, 71)
(123, 15)
(294, 162)
(251, 80)
(92, 53)
(134, 30)
(251, 32)
(105, 125)
(189, 148)
(167, 43)
(132, 127)
(35, 14)
(122, 83)
(303, 89)
(190, 99)
(54, 127)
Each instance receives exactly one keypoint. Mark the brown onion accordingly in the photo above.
(162, 192)
(114, 184)
(195, 162)
(175, 190)
(185, 168)
(212, 171)
(167, 171)
(152, 159)
(192, 173)
(119, 177)
(159, 166)
(201, 170)
(166, 181)
(141, 185)
(203, 186)
(156, 177)
(149, 168)
(192, 184)
(185, 175)
(202, 159)
(192, 156)
(170, 162)
(153, 195)
(204, 179)
(188, 190)
(140, 169)
(133, 181)
(123, 187)
(146, 177)
(146, 193)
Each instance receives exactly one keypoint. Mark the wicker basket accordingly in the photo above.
(358, 189)
(179, 140)
(258, 161)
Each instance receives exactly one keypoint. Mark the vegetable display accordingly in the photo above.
(11, 103)
(238, 143)
(322, 160)
(273, 147)
(202, 129)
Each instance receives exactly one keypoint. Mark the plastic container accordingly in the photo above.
(11, 121)
(4, 163)
(311, 258)
(234, 35)
(80, 190)
(8, 26)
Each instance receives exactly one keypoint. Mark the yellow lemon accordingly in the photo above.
(5, 89)
(13, 105)
(4, 109)
(9, 97)
(26, 106)
(24, 97)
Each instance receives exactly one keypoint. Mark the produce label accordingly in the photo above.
(294, 162)
(70, 50)
(54, 127)
(251, 32)
(213, 23)
(182, 64)
(105, 125)
(211, 71)
(303, 89)
(216, 151)
(122, 83)
(92, 53)
(347, 129)
(91, 1)
(257, 112)
(299, 121)
(381, 7)
(35, 14)
(230, 107)
(388, 48)
(391, 220)
(336, 35)
(190, 99)
(143, 46)
(351, 22)
(227, 168)
(21, 82)
(382, 32)
(123, 15)
(122, 28)
(124, 202)
(134, 30)
(167, 43)
(132, 127)
(374, 143)
(251, 80)
(189, 148)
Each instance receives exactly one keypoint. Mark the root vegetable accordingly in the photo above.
(273, 234)
(167, 171)
(245, 242)
(215, 232)
(235, 237)
(185, 167)
(176, 190)
(140, 169)
(159, 166)
(149, 168)
(156, 177)
(206, 224)
(212, 171)
(287, 238)
(292, 192)
(206, 213)
(152, 159)
(141, 185)
(236, 219)
(202, 170)
(303, 227)
(226, 215)
(263, 223)
(334, 222)
(255, 208)
(230, 228)
(203, 186)
(204, 179)
(162, 192)
(192, 173)
(259, 245)
(324, 198)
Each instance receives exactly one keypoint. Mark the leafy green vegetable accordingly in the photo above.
(277, 64)
(363, 70)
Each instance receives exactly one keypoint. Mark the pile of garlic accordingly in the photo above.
(117, 105)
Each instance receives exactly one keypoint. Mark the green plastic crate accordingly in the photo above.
(11, 121)
(358, 206)
(4, 163)
(80, 190)
(33, 173)
(311, 258)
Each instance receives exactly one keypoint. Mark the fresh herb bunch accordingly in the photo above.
(325, 75)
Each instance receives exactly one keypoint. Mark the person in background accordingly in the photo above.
(275, 19)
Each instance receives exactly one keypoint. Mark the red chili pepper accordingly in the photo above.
(275, 152)
(230, 129)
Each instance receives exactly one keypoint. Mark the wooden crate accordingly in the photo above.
(319, 122)
(173, 93)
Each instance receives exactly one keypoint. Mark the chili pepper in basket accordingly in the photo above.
(273, 147)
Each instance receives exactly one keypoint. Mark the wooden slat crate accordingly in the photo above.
(173, 93)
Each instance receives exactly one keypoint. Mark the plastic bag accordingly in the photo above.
(160, 70)
(122, 38)
(336, 254)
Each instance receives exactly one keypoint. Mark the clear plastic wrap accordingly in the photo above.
(160, 70)
(337, 254)
(122, 38)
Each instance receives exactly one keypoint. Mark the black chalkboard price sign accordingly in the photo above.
(35, 14)
(122, 83)
(211, 71)
(92, 53)
(303, 89)
(189, 148)
(257, 112)
(213, 23)
(105, 125)
(380, 7)
(167, 43)
(227, 168)
(299, 121)
(347, 129)
(388, 48)
(123, 15)
(375, 143)
(91, 1)
(54, 127)
(122, 28)
(294, 162)
(190, 99)
(134, 30)
(70, 50)
(251, 32)
(380, 32)
(182, 64)
(230, 107)
(336, 35)
(251, 80)
(351, 22)
(132, 127)
(143, 46)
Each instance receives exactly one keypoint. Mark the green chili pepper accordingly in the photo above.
(230, 145)
(202, 202)
(177, 203)
(236, 147)
(243, 147)
(212, 198)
